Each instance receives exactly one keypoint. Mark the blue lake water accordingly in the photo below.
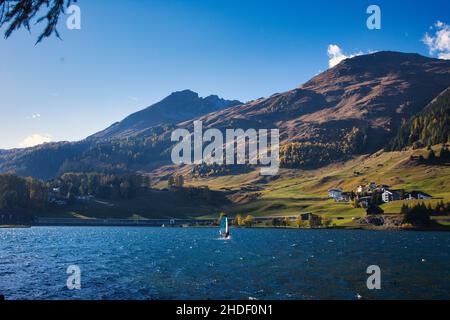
(191, 263)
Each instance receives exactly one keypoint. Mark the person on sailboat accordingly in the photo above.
(223, 228)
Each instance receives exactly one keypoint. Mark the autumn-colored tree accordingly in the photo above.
(326, 222)
(286, 221)
(249, 220)
(299, 222)
(238, 221)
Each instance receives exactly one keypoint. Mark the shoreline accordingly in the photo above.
(12, 226)
(439, 228)
(386, 222)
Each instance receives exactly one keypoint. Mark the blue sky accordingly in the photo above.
(130, 54)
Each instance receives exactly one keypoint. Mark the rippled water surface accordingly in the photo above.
(191, 263)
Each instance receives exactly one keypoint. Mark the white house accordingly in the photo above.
(338, 195)
(418, 195)
(389, 195)
(335, 193)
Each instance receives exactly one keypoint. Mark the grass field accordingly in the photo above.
(157, 204)
(299, 191)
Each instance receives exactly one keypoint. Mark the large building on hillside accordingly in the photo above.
(390, 195)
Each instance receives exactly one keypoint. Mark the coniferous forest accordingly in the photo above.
(429, 127)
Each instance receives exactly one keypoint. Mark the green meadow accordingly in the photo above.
(290, 193)
(299, 191)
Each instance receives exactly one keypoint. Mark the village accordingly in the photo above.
(56, 197)
(373, 194)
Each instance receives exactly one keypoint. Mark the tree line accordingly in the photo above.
(420, 214)
(241, 221)
(431, 157)
(21, 196)
(18, 194)
(326, 147)
(104, 186)
(429, 127)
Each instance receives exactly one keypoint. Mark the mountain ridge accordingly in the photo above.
(351, 91)
(187, 104)
(352, 108)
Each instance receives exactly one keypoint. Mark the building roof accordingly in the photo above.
(391, 191)
(415, 193)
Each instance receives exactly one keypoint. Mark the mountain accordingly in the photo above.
(379, 90)
(48, 160)
(44, 161)
(357, 107)
(177, 107)
(431, 126)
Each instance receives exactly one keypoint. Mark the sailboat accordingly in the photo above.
(224, 231)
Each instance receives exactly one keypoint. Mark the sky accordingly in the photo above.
(130, 54)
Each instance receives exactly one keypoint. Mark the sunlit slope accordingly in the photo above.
(296, 191)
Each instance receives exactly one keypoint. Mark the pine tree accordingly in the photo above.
(429, 127)
(444, 154)
(22, 14)
(179, 181)
(404, 209)
(431, 155)
(442, 205)
(171, 182)
(437, 208)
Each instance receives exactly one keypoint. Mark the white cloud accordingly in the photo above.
(36, 116)
(336, 55)
(34, 140)
(445, 56)
(439, 42)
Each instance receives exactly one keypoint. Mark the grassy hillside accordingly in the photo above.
(296, 191)
(290, 193)
(154, 204)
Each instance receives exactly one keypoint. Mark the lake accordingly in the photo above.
(192, 263)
